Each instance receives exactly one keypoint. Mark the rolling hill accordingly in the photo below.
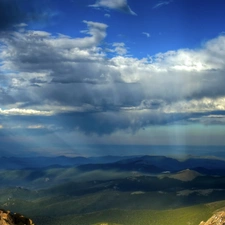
(139, 190)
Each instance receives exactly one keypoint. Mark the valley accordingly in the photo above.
(139, 190)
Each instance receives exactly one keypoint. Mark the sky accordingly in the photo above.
(83, 77)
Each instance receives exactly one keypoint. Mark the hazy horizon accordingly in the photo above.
(179, 152)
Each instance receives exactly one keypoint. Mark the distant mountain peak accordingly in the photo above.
(186, 175)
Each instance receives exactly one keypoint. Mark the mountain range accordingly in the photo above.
(113, 190)
(148, 164)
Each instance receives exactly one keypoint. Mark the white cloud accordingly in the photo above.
(147, 34)
(24, 112)
(96, 30)
(120, 5)
(107, 15)
(210, 119)
(197, 106)
(21, 25)
(120, 48)
(36, 126)
(162, 3)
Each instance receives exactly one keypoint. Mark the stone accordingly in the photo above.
(8, 218)
(217, 219)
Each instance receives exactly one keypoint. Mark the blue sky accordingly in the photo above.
(76, 74)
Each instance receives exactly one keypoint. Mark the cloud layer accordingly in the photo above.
(75, 80)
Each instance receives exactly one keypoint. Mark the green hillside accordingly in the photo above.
(66, 196)
(183, 216)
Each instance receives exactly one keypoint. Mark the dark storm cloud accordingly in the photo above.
(109, 122)
(102, 123)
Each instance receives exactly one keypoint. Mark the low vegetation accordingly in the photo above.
(123, 196)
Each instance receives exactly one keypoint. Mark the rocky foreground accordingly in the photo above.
(8, 218)
(217, 219)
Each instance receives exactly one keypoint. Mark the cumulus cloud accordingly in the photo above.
(120, 5)
(120, 48)
(74, 83)
(97, 32)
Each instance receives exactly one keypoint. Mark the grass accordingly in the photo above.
(183, 216)
(136, 200)
(111, 207)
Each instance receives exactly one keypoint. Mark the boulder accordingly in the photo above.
(8, 218)
(217, 219)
